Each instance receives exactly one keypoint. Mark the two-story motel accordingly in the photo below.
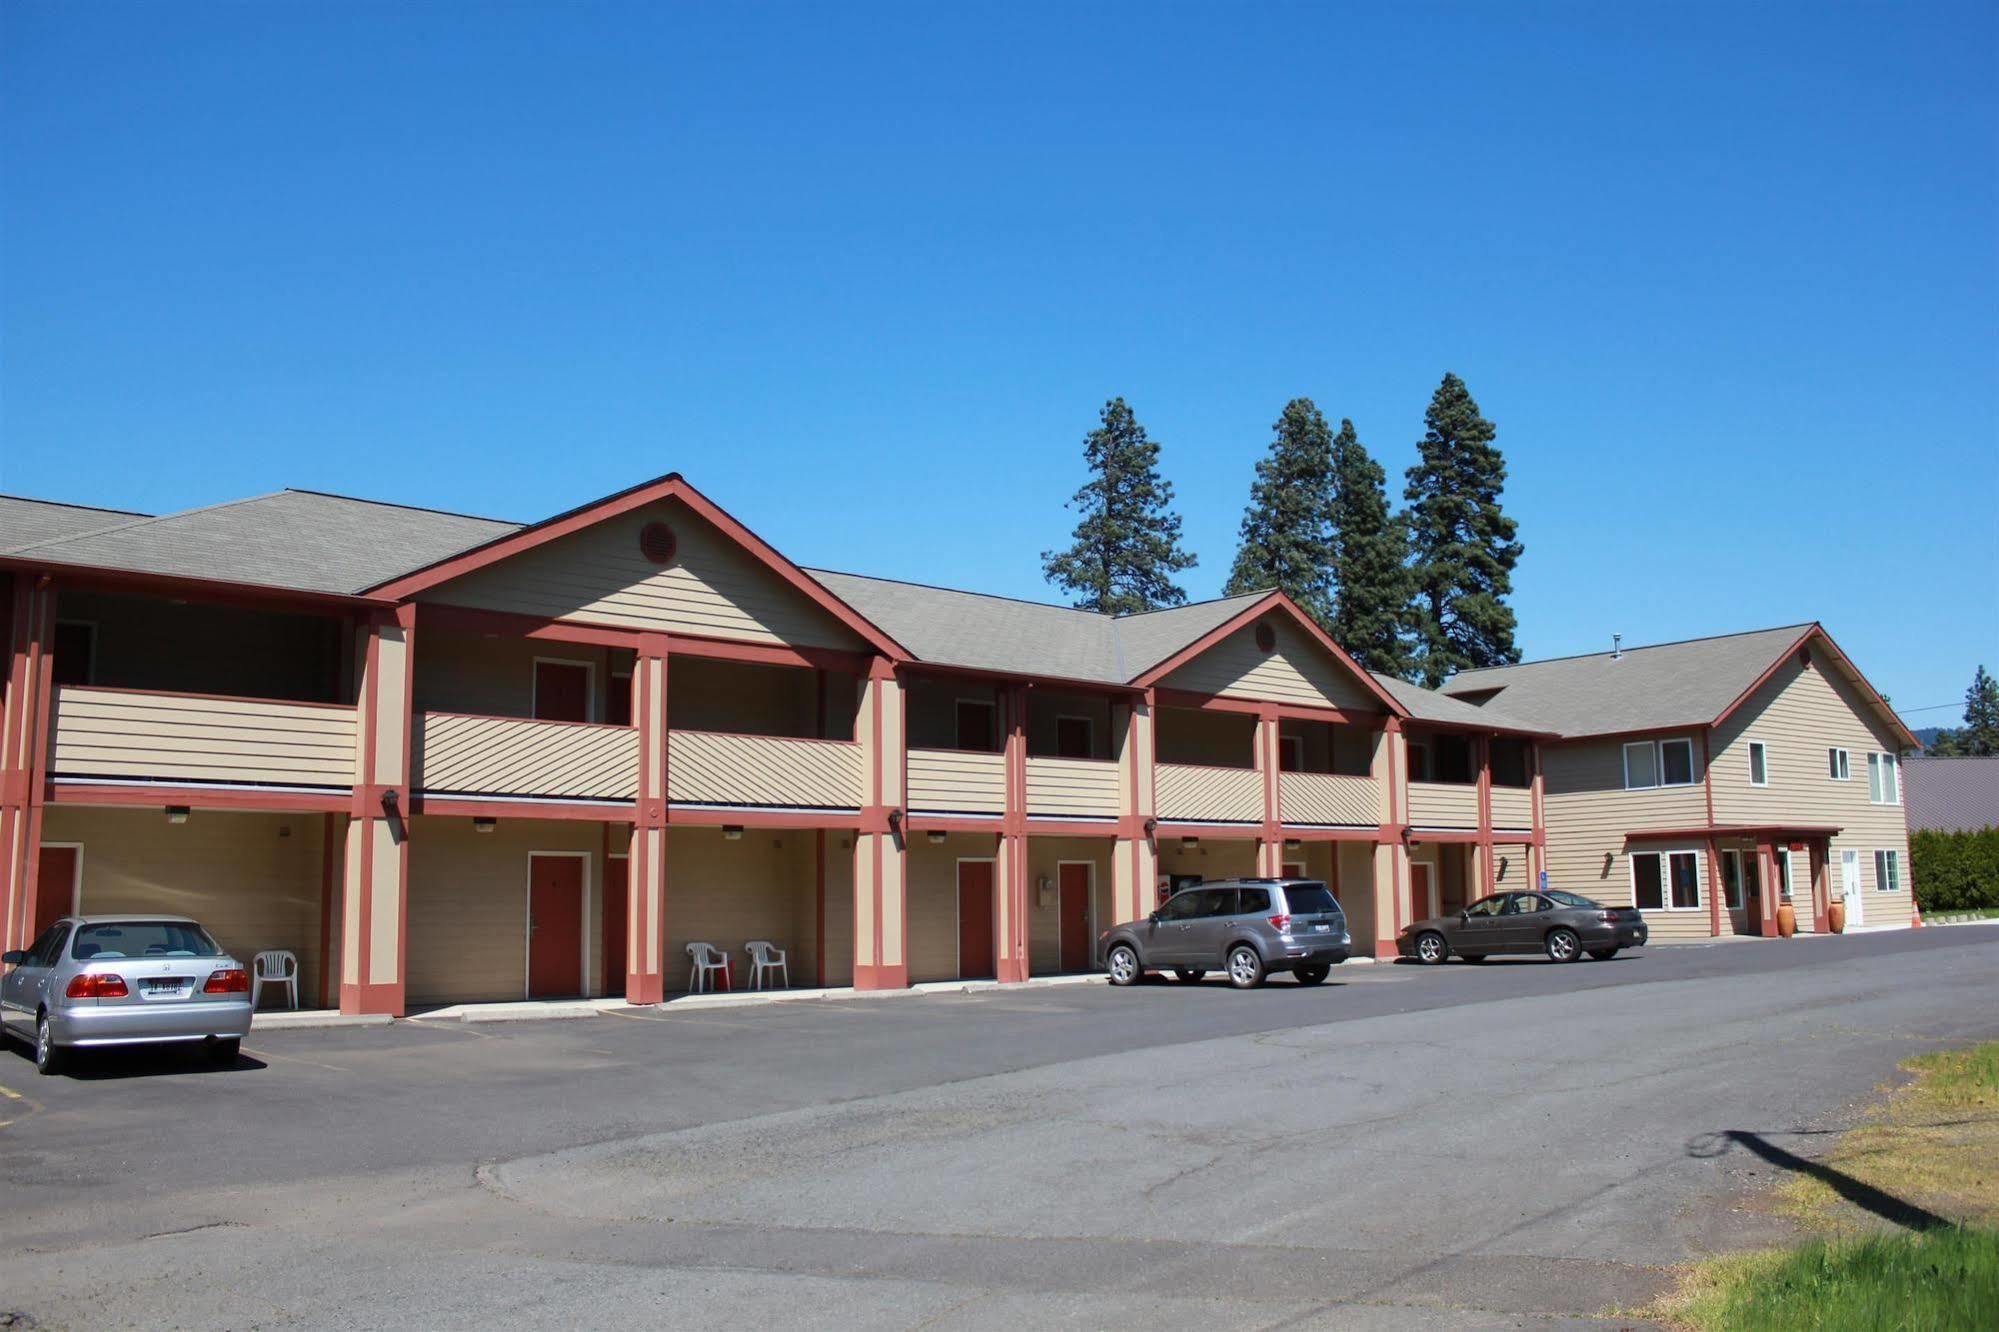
(443, 758)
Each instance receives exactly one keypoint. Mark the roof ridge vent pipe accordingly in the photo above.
(1617, 647)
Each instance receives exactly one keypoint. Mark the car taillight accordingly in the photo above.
(1610, 917)
(228, 980)
(1280, 923)
(96, 985)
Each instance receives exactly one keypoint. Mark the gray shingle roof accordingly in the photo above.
(1668, 684)
(24, 522)
(298, 539)
(1951, 794)
(1431, 706)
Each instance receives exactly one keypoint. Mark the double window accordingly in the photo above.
(1649, 763)
(1888, 871)
(1838, 765)
(1884, 785)
(1666, 880)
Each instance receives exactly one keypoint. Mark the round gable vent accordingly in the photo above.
(656, 542)
(1266, 637)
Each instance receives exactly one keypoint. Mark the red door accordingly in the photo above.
(975, 725)
(1419, 892)
(1075, 917)
(977, 955)
(615, 921)
(555, 926)
(1072, 737)
(55, 886)
(561, 691)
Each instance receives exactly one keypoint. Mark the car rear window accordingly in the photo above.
(110, 940)
(1311, 899)
(1569, 899)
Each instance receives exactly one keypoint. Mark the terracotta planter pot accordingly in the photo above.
(1787, 921)
(1835, 916)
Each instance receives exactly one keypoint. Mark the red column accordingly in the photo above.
(24, 752)
(375, 918)
(645, 869)
(1486, 877)
(1767, 889)
(1013, 962)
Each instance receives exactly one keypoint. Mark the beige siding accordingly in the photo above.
(1588, 815)
(178, 737)
(957, 781)
(494, 677)
(1205, 794)
(1072, 787)
(1442, 805)
(1799, 714)
(710, 588)
(1213, 858)
(762, 770)
(722, 892)
(1512, 807)
(1297, 670)
(1316, 797)
(1044, 921)
(507, 756)
(253, 879)
(933, 901)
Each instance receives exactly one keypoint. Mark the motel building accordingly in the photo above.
(444, 759)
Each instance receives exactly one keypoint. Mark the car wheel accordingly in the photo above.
(1603, 954)
(1312, 975)
(1123, 965)
(1563, 946)
(1190, 975)
(223, 1052)
(1431, 948)
(48, 1055)
(1245, 967)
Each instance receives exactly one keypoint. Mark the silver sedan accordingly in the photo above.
(124, 980)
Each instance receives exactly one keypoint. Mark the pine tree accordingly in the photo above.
(1980, 736)
(1127, 545)
(1287, 534)
(1462, 543)
(1370, 562)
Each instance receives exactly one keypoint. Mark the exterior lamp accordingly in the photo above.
(1189, 843)
(176, 813)
(1293, 843)
(732, 832)
(484, 825)
(935, 836)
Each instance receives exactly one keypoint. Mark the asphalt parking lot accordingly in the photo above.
(1458, 1146)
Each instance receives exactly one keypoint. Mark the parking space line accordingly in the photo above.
(9, 1093)
(294, 1059)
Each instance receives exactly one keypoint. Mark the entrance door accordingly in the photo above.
(1075, 917)
(562, 691)
(978, 953)
(555, 926)
(1419, 891)
(615, 921)
(55, 886)
(1849, 887)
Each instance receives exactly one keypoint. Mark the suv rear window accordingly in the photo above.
(1311, 899)
(141, 938)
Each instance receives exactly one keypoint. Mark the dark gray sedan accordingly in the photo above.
(124, 980)
(1562, 925)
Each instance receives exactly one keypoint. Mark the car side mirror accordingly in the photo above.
(1152, 917)
(14, 957)
(1464, 913)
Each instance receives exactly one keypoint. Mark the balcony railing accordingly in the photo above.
(1328, 798)
(715, 768)
(459, 754)
(1194, 792)
(1443, 805)
(957, 781)
(1072, 788)
(145, 735)
(1512, 807)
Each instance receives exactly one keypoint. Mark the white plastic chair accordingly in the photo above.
(766, 959)
(277, 966)
(707, 960)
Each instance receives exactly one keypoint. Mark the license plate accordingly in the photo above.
(163, 987)
(1322, 929)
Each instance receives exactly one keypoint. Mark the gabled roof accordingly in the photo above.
(1951, 794)
(301, 540)
(1694, 682)
(24, 521)
(1427, 705)
(1246, 610)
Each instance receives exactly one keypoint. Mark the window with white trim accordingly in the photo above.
(1887, 871)
(1759, 763)
(1884, 783)
(1641, 766)
(1676, 763)
(1666, 880)
(1838, 765)
(1650, 763)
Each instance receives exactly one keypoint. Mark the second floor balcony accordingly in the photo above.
(142, 735)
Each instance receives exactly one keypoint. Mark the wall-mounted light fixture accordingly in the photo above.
(1293, 843)
(935, 836)
(732, 832)
(176, 813)
(389, 799)
(484, 825)
(1189, 843)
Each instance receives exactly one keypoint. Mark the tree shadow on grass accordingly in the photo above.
(1895, 1211)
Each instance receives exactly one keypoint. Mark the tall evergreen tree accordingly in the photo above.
(1127, 545)
(1462, 543)
(1979, 736)
(1370, 561)
(1287, 530)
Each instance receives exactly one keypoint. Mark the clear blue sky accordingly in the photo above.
(1725, 276)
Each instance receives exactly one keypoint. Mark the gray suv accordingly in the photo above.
(1247, 928)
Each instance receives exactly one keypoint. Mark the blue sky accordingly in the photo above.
(1723, 275)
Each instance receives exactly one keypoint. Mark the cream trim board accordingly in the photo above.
(958, 910)
(1665, 859)
(1839, 764)
(589, 685)
(1091, 939)
(1751, 749)
(76, 875)
(527, 918)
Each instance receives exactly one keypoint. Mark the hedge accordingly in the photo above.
(1955, 871)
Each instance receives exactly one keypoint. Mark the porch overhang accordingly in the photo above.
(1773, 831)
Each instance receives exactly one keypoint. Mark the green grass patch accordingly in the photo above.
(1936, 1281)
(1959, 1078)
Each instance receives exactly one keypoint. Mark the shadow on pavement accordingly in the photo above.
(1885, 1205)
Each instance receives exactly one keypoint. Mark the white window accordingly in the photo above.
(1731, 880)
(1641, 766)
(1887, 871)
(1759, 763)
(1884, 785)
(1837, 765)
(1666, 881)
